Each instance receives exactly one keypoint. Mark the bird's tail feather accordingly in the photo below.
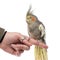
(40, 53)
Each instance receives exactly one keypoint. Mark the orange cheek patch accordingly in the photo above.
(33, 18)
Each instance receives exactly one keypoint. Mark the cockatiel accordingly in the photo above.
(36, 30)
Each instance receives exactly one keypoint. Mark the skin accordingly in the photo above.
(12, 43)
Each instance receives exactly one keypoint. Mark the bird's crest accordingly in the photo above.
(29, 11)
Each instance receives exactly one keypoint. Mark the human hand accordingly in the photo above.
(12, 40)
(13, 44)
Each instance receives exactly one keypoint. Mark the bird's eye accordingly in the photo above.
(30, 17)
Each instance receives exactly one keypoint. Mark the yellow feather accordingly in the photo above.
(40, 53)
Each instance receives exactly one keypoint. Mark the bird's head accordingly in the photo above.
(30, 18)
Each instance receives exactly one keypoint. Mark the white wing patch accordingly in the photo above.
(42, 29)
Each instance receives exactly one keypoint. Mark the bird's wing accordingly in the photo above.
(42, 30)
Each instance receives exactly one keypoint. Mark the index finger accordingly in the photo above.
(38, 43)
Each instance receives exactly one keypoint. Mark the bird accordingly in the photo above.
(36, 30)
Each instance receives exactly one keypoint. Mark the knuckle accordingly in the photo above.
(21, 47)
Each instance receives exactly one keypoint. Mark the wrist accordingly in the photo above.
(2, 34)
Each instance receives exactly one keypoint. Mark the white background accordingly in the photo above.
(12, 18)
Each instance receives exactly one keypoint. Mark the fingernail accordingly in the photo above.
(46, 47)
(27, 48)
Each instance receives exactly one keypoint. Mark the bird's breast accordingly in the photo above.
(34, 33)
